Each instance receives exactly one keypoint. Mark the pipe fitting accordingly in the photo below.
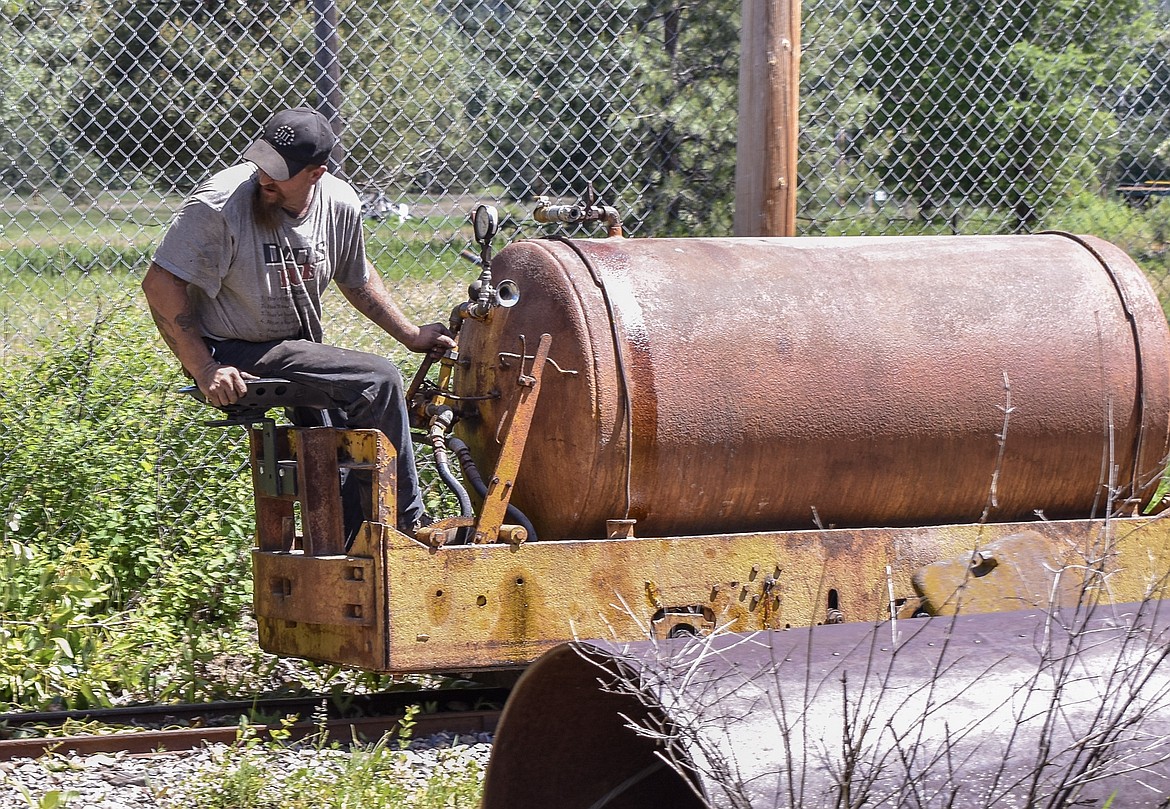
(547, 213)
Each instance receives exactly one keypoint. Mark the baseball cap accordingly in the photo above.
(291, 140)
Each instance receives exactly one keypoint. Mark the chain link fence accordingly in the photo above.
(918, 116)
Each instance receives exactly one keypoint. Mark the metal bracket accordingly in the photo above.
(275, 477)
(499, 487)
(680, 622)
(1019, 571)
(504, 356)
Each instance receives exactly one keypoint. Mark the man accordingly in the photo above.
(235, 289)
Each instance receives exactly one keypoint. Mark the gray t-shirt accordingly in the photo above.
(255, 283)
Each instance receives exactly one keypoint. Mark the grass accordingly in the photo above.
(62, 263)
(139, 219)
(256, 773)
(54, 221)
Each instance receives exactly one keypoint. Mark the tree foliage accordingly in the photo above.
(836, 159)
(1142, 107)
(1018, 80)
(406, 79)
(542, 97)
(1003, 105)
(169, 87)
(637, 99)
(680, 130)
(40, 47)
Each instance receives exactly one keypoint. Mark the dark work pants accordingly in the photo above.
(365, 390)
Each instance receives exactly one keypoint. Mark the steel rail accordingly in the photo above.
(151, 729)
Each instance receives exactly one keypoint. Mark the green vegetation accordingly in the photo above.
(126, 523)
(107, 568)
(256, 774)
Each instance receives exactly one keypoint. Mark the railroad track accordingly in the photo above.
(172, 728)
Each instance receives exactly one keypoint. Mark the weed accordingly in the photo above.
(52, 799)
(255, 774)
(407, 724)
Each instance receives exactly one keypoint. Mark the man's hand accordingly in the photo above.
(431, 338)
(222, 385)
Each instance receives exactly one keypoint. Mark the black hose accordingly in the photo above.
(465, 509)
(471, 473)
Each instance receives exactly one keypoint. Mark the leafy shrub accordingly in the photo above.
(56, 652)
(102, 480)
(1109, 218)
(88, 460)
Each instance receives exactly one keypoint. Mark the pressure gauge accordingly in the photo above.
(485, 222)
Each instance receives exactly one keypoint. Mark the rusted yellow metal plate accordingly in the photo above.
(465, 607)
(330, 608)
(1013, 571)
(1051, 564)
(337, 590)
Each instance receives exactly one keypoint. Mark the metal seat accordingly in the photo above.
(264, 395)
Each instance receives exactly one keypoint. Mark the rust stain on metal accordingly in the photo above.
(868, 371)
(497, 605)
(275, 520)
(393, 604)
(316, 456)
(591, 589)
(372, 452)
(653, 595)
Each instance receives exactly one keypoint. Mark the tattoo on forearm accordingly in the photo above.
(164, 329)
(185, 321)
(363, 294)
(369, 303)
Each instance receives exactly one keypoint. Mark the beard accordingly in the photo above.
(267, 213)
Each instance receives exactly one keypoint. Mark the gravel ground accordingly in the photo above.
(162, 781)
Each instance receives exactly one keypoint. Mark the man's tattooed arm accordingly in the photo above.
(178, 324)
(374, 301)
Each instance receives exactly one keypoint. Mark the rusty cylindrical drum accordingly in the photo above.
(859, 714)
(729, 385)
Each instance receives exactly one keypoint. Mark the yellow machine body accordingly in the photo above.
(695, 510)
(393, 604)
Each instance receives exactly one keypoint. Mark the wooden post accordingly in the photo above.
(769, 107)
(328, 59)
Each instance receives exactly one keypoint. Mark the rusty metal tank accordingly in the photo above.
(859, 714)
(706, 386)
